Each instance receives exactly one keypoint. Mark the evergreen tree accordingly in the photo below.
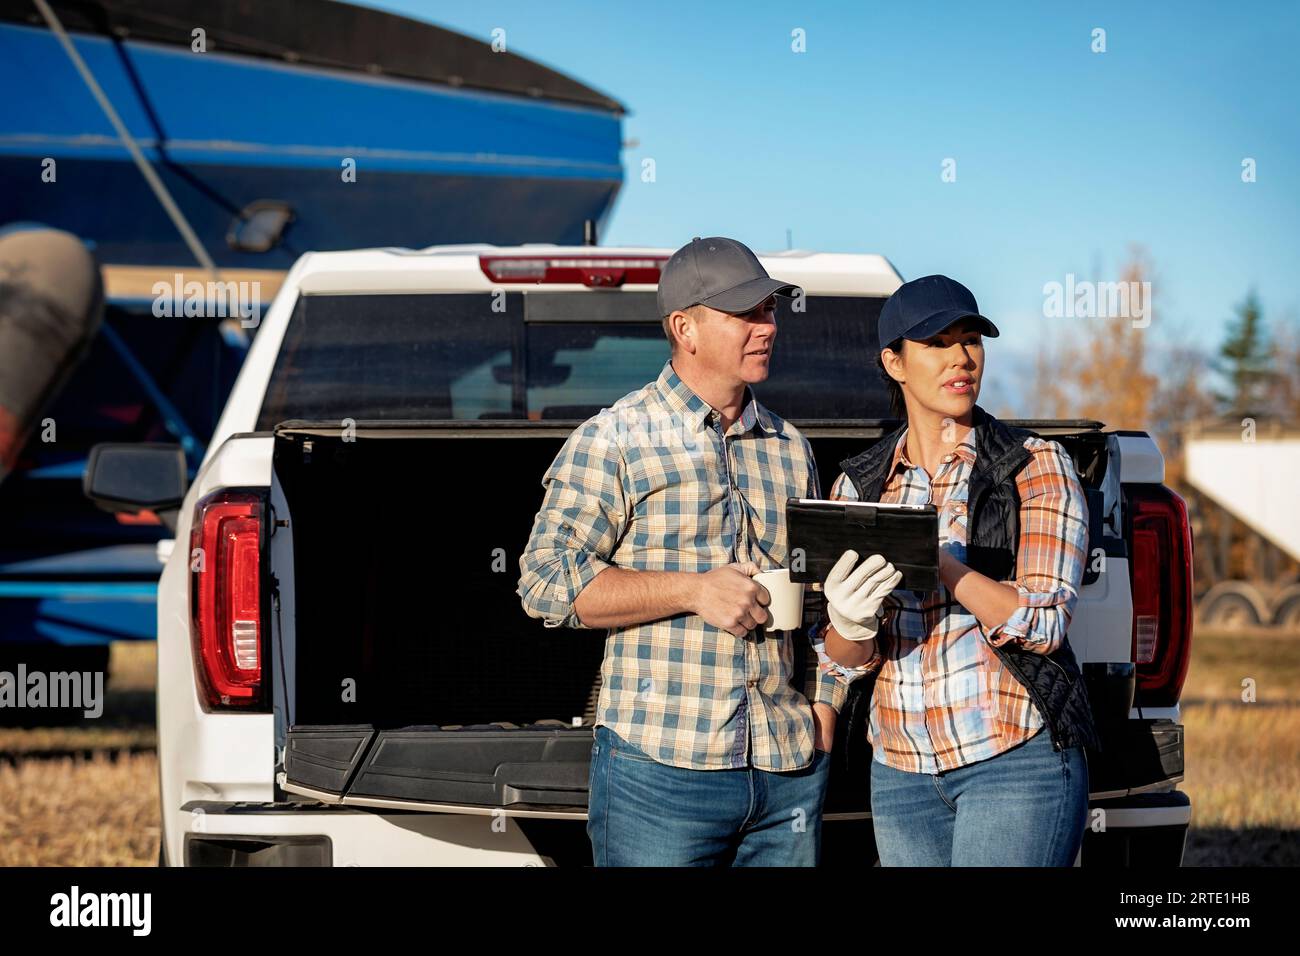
(1245, 361)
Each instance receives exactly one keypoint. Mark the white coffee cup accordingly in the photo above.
(787, 599)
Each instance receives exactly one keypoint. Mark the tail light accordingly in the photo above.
(1161, 580)
(226, 600)
(593, 271)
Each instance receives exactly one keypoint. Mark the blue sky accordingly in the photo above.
(1063, 156)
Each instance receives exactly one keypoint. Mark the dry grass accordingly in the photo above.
(1221, 661)
(1243, 765)
(1243, 777)
(73, 812)
(1243, 762)
(1242, 769)
(99, 807)
(134, 665)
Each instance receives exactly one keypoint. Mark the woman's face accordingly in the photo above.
(941, 373)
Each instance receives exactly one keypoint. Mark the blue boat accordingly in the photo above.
(273, 129)
(448, 141)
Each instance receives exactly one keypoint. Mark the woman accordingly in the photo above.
(978, 716)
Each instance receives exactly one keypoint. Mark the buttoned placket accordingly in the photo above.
(920, 599)
(925, 704)
(739, 755)
(958, 507)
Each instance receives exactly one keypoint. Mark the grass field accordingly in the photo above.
(87, 794)
(98, 807)
(1243, 759)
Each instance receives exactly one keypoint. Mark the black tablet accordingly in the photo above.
(820, 532)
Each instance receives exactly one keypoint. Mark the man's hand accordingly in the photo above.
(823, 726)
(729, 598)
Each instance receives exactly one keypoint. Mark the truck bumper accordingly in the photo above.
(1141, 830)
(212, 833)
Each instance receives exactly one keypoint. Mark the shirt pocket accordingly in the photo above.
(764, 489)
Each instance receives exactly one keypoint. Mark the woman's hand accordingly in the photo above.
(823, 726)
(854, 598)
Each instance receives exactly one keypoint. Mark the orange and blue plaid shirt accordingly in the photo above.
(943, 698)
(653, 483)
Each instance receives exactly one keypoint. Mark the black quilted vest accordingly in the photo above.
(1054, 680)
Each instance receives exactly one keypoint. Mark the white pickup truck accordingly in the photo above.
(345, 673)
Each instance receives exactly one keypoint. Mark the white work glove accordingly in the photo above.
(853, 600)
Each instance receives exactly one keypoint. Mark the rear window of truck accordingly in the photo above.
(541, 356)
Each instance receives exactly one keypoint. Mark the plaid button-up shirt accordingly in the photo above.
(943, 698)
(652, 483)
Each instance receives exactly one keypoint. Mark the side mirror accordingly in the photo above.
(136, 477)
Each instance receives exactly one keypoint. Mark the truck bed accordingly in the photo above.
(397, 579)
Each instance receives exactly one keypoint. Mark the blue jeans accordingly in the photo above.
(645, 813)
(1027, 806)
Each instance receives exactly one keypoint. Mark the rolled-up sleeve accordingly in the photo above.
(580, 523)
(1052, 552)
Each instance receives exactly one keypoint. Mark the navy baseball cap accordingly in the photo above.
(925, 307)
(720, 273)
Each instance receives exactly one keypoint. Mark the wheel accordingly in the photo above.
(1286, 610)
(1231, 610)
(1233, 604)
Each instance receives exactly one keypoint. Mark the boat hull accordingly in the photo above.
(360, 160)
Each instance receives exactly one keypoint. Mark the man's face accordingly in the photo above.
(737, 348)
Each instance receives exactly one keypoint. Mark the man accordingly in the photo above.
(657, 512)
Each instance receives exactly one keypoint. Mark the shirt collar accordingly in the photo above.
(965, 450)
(696, 410)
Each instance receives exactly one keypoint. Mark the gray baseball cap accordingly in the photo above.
(720, 273)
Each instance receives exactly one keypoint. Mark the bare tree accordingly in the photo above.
(1181, 398)
(1283, 390)
(1099, 371)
